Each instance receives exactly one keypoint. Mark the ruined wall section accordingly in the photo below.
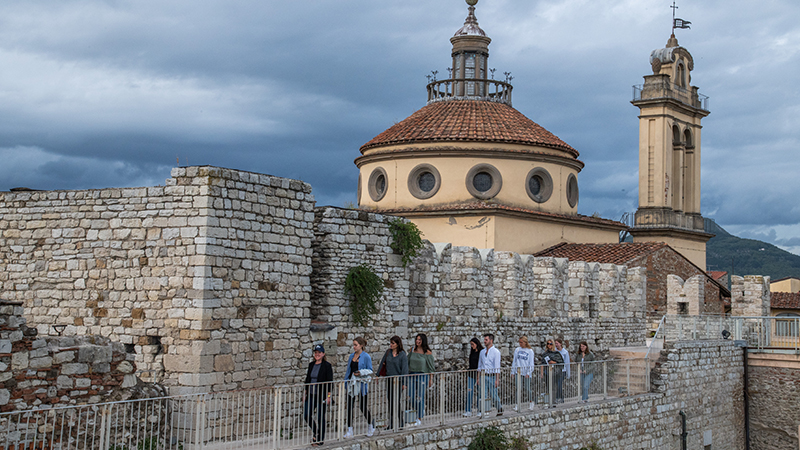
(456, 293)
(41, 371)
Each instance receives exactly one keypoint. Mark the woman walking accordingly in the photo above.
(395, 362)
(584, 358)
(522, 368)
(472, 375)
(318, 394)
(359, 365)
(420, 362)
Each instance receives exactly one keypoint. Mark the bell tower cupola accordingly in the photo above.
(670, 112)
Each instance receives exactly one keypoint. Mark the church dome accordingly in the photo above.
(469, 121)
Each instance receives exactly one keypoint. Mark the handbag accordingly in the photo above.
(382, 370)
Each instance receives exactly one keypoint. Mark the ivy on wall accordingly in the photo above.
(365, 289)
(406, 239)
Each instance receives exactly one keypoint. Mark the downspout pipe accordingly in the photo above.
(684, 434)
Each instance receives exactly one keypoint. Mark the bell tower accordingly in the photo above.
(670, 111)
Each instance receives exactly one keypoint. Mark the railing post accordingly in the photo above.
(276, 423)
(647, 374)
(200, 420)
(737, 328)
(551, 392)
(518, 388)
(605, 380)
(482, 397)
(441, 398)
(628, 368)
(341, 411)
(104, 422)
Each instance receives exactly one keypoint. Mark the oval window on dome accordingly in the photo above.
(572, 190)
(424, 181)
(539, 185)
(378, 184)
(484, 181)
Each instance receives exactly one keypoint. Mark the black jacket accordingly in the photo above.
(320, 392)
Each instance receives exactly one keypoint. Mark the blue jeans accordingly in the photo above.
(492, 391)
(419, 386)
(586, 381)
(472, 384)
(559, 376)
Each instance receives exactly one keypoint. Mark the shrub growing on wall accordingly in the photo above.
(406, 239)
(365, 289)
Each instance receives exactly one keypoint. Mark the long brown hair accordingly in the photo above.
(362, 342)
(399, 342)
(587, 347)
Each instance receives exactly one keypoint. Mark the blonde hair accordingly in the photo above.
(524, 340)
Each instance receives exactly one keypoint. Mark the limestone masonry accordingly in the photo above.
(208, 280)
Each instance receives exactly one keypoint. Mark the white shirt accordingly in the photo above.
(523, 357)
(490, 360)
(565, 355)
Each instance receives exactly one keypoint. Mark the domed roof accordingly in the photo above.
(471, 27)
(468, 121)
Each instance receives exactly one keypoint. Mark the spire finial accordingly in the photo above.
(471, 26)
(472, 2)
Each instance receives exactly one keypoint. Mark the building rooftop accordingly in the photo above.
(602, 253)
(785, 300)
(469, 121)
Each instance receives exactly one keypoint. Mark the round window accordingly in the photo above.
(424, 181)
(539, 185)
(484, 181)
(572, 190)
(378, 184)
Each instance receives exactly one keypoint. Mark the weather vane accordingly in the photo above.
(676, 22)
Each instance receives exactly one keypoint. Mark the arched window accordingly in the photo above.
(687, 138)
(681, 81)
(676, 135)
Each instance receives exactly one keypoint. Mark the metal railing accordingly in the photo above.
(470, 89)
(659, 90)
(655, 347)
(281, 417)
(775, 333)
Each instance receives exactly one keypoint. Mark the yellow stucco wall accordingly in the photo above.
(503, 233)
(787, 285)
(453, 171)
(694, 251)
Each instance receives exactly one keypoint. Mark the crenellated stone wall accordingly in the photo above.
(223, 279)
(455, 293)
(750, 296)
(685, 297)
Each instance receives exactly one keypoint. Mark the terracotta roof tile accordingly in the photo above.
(716, 274)
(481, 206)
(468, 120)
(785, 300)
(602, 253)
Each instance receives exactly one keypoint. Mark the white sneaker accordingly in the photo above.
(370, 430)
(530, 406)
(515, 408)
(479, 414)
(467, 414)
(417, 423)
(349, 433)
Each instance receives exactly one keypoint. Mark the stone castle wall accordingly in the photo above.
(455, 293)
(37, 371)
(704, 379)
(774, 389)
(201, 278)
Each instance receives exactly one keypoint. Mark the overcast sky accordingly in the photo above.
(112, 93)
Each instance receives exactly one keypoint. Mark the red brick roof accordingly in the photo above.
(602, 253)
(785, 300)
(481, 206)
(716, 274)
(469, 120)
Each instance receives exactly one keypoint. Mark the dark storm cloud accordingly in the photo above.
(107, 93)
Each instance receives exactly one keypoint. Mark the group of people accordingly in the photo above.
(483, 377)
(418, 363)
